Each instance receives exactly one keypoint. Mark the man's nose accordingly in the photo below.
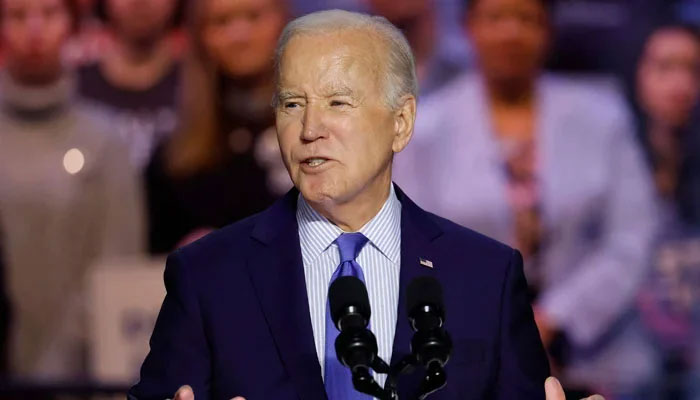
(313, 126)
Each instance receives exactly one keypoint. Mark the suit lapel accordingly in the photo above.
(277, 273)
(417, 233)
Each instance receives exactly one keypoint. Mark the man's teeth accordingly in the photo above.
(314, 162)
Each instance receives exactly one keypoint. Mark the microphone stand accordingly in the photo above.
(434, 379)
(430, 347)
(363, 381)
(405, 366)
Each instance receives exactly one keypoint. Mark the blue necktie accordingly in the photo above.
(337, 378)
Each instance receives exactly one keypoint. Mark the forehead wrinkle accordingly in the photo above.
(337, 88)
(351, 58)
(342, 75)
(372, 52)
(361, 60)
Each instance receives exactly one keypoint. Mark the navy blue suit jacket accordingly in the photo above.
(236, 322)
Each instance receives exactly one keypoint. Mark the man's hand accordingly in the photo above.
(186, 393)
(554, 391)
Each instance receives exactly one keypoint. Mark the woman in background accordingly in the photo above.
(222, 164)
(666, 92)
(549, 165)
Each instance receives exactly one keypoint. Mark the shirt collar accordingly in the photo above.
(316, 233)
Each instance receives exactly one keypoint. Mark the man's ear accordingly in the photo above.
(404, 120)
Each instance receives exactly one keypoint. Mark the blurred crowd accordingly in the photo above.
(566, 128)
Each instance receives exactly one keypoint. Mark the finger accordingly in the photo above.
(238, 398)
(184, 393)
(553, 389)
(595, 397)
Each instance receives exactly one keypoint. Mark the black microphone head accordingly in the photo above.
(425, 292)
(346, 292)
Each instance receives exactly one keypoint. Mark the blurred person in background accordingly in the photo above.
(137, 76)
(596, 36)
(601, 36)
(666, 92)
(668, 85)
(550, 166)
(436, 65)
(223, 163)
(68, 197)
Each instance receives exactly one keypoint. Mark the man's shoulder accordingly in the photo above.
(448, 235)
(470, 262)
(468, 239)
(226, 244)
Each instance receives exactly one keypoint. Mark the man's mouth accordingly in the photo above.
(315, 162)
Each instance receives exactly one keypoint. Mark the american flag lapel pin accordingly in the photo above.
(425, 263)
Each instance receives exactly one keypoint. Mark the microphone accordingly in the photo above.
(431, 344)
(349, 303)
(425, 306)
(356, 346)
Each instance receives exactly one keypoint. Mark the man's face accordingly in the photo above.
(337, 134)
(240, 35)
(510, 37)
(33, 34)
(669, 77)
(140, 20)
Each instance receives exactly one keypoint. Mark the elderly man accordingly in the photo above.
(245, 313)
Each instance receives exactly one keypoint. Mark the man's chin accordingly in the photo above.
(315, 195)
(318, 192)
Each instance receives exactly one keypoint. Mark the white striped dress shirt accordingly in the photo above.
(380, 261)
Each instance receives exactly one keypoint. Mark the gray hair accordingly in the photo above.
(400, 68)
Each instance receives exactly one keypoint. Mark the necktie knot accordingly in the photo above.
(349, 245)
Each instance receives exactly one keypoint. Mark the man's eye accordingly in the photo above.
(291, 105)
(336, 103)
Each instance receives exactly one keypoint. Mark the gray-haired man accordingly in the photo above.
(246, 312)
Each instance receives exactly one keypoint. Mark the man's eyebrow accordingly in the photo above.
(288, 94)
